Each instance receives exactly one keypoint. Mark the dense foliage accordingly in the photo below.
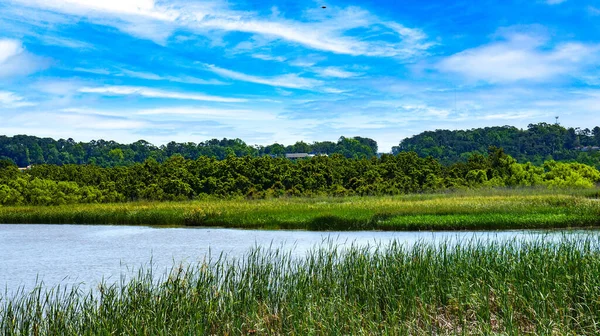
(26, 150)
(536, 287)
(538, 143)
(257, 177)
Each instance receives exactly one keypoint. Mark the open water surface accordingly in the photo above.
(85, 254)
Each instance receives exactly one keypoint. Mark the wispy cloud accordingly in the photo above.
(335, 72)
(333, 90)
(521, 57)
(98, 122)
(92, 71)
(177, 79)
(140, 18)
(64, 42)
(121, 72)
(16, 61)
(326, 32)
(8, 49)
(210, 113)
(142, 8)
(155, 93)
(302, 62)
(267, 57)
(291, 81)
(11, 100)
(555, 2)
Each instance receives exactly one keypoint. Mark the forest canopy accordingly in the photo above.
(178, 178)
(65, 171)
(536, 144)
(24, 150)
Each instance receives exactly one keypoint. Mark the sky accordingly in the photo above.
(284, 71)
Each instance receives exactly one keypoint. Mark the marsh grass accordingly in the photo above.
(539, 287)
(463, 210)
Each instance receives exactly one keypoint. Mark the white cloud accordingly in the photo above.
(140, 18)
(16, 61)
(93, 71)
(82, 122)
(333, 90)
(139, 74)
(326, 32)
(143, 8)
(150, 76)
(555, 2)
(266, 57)
(195, 112)
(336, 72)
(154, 93)
(64, 42)
(521, 57)
(517, 115)
(177, 79)
(210, 113)
(92, 112)
(303, 63)
(283, 92)
(8, 49)
(594, 11)
(11, 100)
(71, 125)
(291, 81)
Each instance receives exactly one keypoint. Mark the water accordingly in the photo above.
(84, 255)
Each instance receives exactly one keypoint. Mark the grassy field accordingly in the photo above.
(539, 288)
(491, 209)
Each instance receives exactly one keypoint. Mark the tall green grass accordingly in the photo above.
(540, 287)
(491, 209)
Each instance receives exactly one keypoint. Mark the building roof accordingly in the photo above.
(298, 155)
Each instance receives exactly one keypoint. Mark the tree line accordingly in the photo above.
(178, 178)
(24, 150)
(538, 143)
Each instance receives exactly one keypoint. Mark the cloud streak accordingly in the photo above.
(11, 100)
(155, 93)
(210, 113)
(290, 81)
(336, 72)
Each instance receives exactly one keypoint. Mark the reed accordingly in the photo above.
(539, 287)
(491, 209)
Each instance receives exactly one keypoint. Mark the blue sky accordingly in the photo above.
(283, 71)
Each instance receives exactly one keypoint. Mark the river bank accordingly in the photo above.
(483, 210)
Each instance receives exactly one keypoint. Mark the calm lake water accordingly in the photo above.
(84, 255)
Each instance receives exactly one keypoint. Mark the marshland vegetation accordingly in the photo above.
(492, 209)
(541, 287)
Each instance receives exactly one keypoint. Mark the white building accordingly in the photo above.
(298, 155)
